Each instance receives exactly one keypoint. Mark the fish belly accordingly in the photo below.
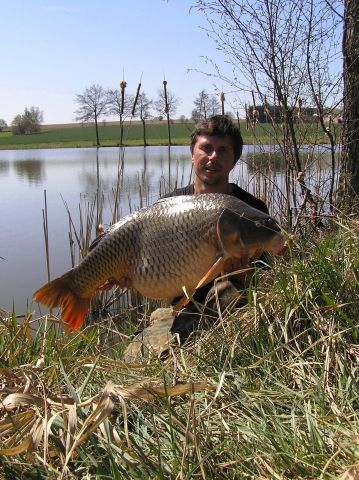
(171, 275)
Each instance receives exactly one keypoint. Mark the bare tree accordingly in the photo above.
(3, 125)
(173, 103)
(120, 104)
(93, 104)
(143, 110)
(350, 170)
(282, 54)
(206, 105)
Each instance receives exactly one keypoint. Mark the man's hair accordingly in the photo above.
(219, 126)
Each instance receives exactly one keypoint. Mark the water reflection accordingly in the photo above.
(4, 166)
(169, 168)
(137, 176)
(33, 170)
(265, 162)
(144, 161)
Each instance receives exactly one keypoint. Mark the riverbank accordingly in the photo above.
(269, 392)
(77, 136)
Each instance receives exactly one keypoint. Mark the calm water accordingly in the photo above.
(67, 174)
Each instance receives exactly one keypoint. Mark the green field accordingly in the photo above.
(53, 136)
(109, 136)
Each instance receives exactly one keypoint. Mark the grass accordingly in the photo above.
(270, 392)
(109, 136)
(84, 136)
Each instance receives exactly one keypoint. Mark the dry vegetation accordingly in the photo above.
(270, 392)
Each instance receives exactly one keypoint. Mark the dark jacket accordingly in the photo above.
(237, 192)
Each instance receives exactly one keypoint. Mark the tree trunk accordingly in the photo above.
(97, 136)
(144, 132)
(121, 131)
(350, 159)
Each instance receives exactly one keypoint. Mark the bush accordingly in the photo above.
(28, 122)
(3, 125)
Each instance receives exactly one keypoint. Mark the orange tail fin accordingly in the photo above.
(59, 293)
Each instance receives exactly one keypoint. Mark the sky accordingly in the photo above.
(54, 49)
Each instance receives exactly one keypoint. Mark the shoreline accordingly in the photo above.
(45, 147)
(81, 136)
(157, 144)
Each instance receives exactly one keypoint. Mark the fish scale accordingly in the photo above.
(163, 249)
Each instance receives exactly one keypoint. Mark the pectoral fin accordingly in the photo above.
(212, 273)
(122, 282)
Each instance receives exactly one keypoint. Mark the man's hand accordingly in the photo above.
(123, 282)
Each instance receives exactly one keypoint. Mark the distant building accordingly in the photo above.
(273, 113)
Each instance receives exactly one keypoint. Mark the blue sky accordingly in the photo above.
(53, 49)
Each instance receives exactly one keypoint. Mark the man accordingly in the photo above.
(216, 146)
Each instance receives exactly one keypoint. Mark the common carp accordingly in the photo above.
(171, 247)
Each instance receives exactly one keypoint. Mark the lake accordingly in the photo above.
(68, 176)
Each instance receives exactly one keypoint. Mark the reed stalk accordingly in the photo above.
(46, 236)
(167, 112)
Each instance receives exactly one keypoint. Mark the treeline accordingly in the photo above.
(96, 102)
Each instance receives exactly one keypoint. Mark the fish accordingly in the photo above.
(164, 250)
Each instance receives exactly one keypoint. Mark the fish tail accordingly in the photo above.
(57, 293)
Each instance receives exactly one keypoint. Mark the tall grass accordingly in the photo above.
(270, 392)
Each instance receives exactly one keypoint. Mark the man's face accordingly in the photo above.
(213, 159)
